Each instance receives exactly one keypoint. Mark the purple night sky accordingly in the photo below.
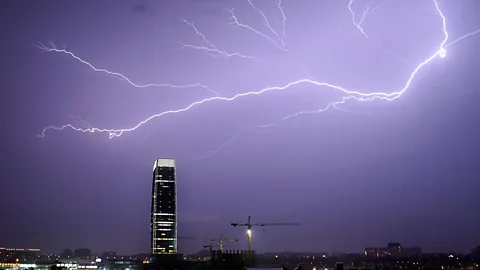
(360, 175)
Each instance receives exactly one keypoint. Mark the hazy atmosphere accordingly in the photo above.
(80, 76)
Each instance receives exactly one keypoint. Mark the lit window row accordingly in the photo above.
(28, 265)
(66, 265)
(163, 219)
(169, 252)
(18, 265)
(21, 249)
(164, 239)
(9, 264)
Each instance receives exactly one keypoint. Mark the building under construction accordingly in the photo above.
(163, 229)
(219, 260)
(231, 259)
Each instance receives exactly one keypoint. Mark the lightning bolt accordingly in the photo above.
(441, 52)
(118, 132)
(267, 23)
(284, 20)
(347, 94)
(227, 143)
(462, 38)
(81, 121)
(368, 11)
(117, 75)
(358, 96)
(330, 105)
(235, 21)
(211, 49)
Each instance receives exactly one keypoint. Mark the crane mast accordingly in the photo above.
(249, 226)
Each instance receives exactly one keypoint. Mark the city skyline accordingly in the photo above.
(359, 174)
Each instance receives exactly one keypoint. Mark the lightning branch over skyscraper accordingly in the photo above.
(284, 20)
(220, 148)
(280, 38)
(347, 94)
(267, 23)
(211, 49)
(368, 11)
(117, 75)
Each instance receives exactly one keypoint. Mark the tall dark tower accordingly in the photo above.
(164, 208)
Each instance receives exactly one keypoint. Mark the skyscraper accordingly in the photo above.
(164, 208)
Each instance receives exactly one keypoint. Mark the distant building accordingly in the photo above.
(67, 254)
(109, 255)
(83, 253)
(164, 208)
(392, 250)
(371, 252)
(16, 255)
(412, 251)
(476, 252)
(122, 265)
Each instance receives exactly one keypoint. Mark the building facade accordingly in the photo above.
(164, 208)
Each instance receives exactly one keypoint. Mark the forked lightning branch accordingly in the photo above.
(277, 39)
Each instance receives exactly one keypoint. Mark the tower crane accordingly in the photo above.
(199, 239)
(222, 239)
(195, 238)
(210, 247)
(249, 226)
